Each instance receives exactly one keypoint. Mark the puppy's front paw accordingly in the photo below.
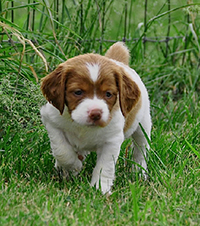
(74, 168)
(63, 173)
(102, 182)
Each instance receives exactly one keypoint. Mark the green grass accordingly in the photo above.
(31, 191)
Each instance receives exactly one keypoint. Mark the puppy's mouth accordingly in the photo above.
(98, 123)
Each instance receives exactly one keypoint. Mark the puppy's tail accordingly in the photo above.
(119, 52)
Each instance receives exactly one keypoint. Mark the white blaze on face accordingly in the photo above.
(82, 113)
(93, 71)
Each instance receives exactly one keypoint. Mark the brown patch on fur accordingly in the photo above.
(119, 52)
(78, 82)
(129, 92)
(132, 114)
(106, 83)
(80, 157)
(53, 86)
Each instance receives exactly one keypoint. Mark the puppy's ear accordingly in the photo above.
(53, 87)
(129, 92)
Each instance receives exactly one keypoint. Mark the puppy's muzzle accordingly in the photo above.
(95, 115)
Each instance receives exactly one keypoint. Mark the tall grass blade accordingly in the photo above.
(135, 201)
(29, 5)
(193, 149)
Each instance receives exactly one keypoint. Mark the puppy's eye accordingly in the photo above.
(78, 92)
(108, 94)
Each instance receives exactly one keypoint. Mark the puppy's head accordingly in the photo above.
(92, 87)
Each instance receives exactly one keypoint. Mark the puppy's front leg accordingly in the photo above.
(104, 171)
(65, 157)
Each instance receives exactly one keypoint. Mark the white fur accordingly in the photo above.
(80, 114)
(93, 71)
(71, 135)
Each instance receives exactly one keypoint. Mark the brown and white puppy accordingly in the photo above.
(94, 103)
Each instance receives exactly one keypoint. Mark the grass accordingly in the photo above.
(31, 191)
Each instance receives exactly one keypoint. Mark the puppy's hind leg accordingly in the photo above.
(141, 145)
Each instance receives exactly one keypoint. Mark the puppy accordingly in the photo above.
(94, 103)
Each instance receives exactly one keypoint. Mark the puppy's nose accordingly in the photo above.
(95, 114)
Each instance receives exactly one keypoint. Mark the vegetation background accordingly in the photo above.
(164, 41)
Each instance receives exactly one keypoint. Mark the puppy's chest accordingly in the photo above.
(85, 139)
